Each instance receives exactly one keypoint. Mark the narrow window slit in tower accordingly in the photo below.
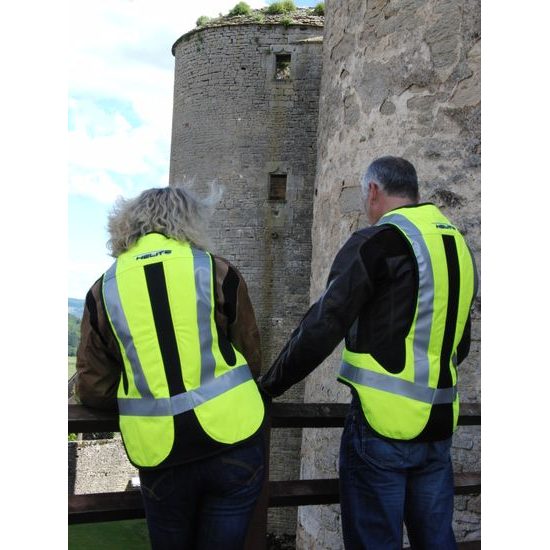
(282, 66)
(277, 187)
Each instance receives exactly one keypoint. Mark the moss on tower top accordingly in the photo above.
(300, 16)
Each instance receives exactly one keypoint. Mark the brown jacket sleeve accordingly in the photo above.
(98, 358)
(235, 314)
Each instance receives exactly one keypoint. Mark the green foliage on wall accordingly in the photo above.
(319, 9)
(242, 8)
(286, 21)
(202, 20)
(285, 6)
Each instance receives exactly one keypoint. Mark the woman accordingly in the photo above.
(169, 338)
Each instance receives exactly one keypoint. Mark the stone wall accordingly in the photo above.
(400, 77)
(99, 466)
(235, 123)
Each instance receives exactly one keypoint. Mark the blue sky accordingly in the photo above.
(120, 79)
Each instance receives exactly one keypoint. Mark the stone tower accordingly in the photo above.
(246, 98)
(400, 77)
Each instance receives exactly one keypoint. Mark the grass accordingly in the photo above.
(111, 535)
(242, 8)
(202, 20)
(284, 6)
(72, 366)
(286, 21)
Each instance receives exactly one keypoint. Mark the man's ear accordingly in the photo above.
(373, 192)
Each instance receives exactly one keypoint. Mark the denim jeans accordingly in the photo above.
(384, 483)
(206, 504)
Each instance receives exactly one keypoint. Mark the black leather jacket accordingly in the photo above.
(370, 301)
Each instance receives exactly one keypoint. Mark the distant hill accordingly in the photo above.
(74, 334)
(76, 307)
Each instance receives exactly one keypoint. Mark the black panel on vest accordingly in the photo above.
(158, 294)
(439, 425)
(191, 441)
(230, 286)
(463, 348)
(386, 319)
(441, 421)
(227, 351)
(453, 271)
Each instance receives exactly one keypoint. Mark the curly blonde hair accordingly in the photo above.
(173, 211)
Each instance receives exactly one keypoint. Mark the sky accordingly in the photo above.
(120, 90)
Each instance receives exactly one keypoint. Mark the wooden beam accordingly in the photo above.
(469, 545)
(308, 415)
(86, 420)
(95, 508)
(82, 419)
(304, 492)
(467, 483)
(469, 414)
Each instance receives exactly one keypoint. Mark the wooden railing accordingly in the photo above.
(90, 508)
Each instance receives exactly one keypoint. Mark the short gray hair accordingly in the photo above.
(173, 211)
(395, 175)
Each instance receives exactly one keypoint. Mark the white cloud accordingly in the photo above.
(120, 79)
(116, 151)
(97, 185)
(121, 74)
(82, 275)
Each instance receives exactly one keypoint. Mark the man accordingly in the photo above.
(169, 339)
(400, 293)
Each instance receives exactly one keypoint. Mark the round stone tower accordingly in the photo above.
(246, 98)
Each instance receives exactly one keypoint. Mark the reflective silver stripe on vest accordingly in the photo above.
(203, 281)
(183, 402)
(398, 386)
(120, 322)
(425, 295)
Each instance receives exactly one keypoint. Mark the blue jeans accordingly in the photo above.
(206, 504)
(385, 483)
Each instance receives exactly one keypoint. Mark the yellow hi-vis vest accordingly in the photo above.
(398, 406)
(159, 297)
